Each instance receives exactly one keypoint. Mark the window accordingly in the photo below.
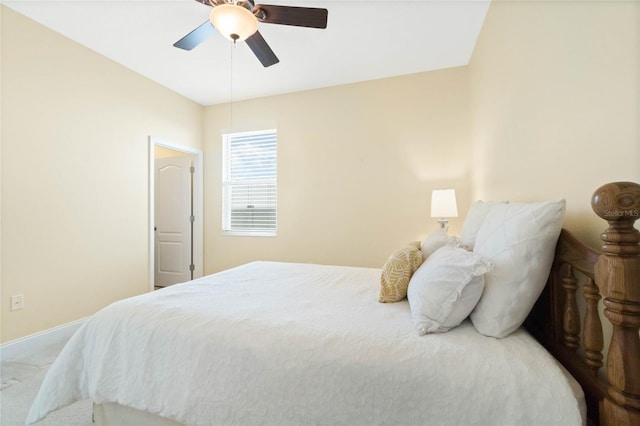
(249, 183)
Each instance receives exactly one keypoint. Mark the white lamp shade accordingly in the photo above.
(443, 203)
(230, 19)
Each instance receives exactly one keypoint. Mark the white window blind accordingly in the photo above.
(249, 183)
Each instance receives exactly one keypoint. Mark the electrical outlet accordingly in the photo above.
(17, 302)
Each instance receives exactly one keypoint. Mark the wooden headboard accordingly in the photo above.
(566, 320)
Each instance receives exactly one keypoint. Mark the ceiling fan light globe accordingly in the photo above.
(234, 22)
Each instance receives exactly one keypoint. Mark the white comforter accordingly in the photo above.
(293, 344)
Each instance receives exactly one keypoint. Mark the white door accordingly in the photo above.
(173, 220)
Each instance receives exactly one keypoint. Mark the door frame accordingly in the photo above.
(198, 207)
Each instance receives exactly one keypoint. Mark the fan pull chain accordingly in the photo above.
(233, 45)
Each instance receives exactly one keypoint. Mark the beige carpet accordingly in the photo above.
(21, 380)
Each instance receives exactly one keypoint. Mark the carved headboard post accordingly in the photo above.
(617, 273)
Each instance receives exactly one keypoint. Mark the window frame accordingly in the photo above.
(228, 183)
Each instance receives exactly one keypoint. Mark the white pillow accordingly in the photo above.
(519, 239)
(474, 220)
(445, 289)
(436, 239)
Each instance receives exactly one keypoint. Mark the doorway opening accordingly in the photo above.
(175, 213)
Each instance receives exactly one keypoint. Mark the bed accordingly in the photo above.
(300, 344)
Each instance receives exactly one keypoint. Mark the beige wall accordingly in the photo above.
(356, 166)
(551, 87)
(75, 130)
(555, 100)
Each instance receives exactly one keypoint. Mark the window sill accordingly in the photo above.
(250, 234)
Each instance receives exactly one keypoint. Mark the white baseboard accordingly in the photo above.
(35, 343)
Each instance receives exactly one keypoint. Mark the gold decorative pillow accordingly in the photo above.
(397, 272)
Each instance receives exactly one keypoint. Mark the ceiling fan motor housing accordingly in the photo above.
(247, 4)
(259, 13)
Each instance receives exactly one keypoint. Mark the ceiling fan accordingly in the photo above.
(238, 20)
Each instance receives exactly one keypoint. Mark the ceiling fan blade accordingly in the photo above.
(261, 49)
(196, 36)
(309, 17)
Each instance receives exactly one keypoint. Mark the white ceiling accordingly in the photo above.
(364, 40)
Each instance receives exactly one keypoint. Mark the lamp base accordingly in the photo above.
(444, 224)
